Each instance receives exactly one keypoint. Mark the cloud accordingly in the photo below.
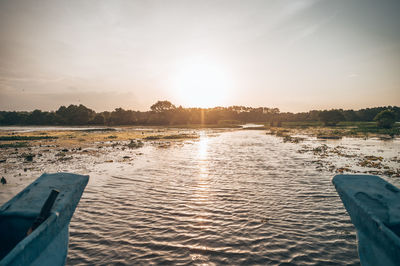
(310, 29)
(292, 9)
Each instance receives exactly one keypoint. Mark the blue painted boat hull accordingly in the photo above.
(48, 243)
(374, 208)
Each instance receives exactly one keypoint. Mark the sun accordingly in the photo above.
(201, 83)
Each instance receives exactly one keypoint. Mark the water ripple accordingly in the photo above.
(236, 198)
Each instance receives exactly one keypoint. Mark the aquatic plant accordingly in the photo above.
(21, 144)
(134, 144)
(16, 137)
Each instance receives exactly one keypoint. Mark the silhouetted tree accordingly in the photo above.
(162, 106)
(165, 113)
(385, 119)
(14, 118)
(98, 119)
(350, 115)
(122, 117)
(331, 117)
(75, 115)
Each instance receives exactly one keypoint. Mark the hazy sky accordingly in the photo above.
(294, 55)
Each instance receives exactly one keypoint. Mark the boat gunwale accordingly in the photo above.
(371, 220)
(15, 251)
(54, 220)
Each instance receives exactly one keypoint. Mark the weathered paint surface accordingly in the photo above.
(48, 244)
(374, 208)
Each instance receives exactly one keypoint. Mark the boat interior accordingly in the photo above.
(13, 228)
(395, 228)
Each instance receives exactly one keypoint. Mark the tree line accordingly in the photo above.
(165, 113)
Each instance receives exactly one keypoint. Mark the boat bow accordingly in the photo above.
(48, 243)
(374, 208)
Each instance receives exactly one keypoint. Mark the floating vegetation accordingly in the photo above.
(394, 173)
(373, 158)
(134, 144)
(14, 145)
(28, 157)
(320, 149)
(329, 137)
(15, 137)
(155, 137)
(281, 133)
(291, 139)
(373, 164)
(343, 169)
(99, 129)
(255, 128)
(164, 145)
(173, 136)
(65, 158)
(370, 164)
(180, 136)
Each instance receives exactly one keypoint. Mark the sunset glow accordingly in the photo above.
(201, 83)
(214, 132)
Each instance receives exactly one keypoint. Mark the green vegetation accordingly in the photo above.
(98, 130)
(164, 113)
(302, 124)
(385, 119)
(173, 136)
(134, 144)
(331, 117)
(162, 106)
(14, 145)
(153, 137)
(179, 136)
(199, 126)
(374, 128)
(14, 137)
(346, 127)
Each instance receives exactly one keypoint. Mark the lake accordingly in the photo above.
(234, 197)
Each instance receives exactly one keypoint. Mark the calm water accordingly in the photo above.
(240, 197)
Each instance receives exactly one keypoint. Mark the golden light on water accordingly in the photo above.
(203, 147)
(203, 155)
(202, 187)
(201, 192)
(201, 82)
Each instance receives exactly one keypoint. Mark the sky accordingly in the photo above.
(293, 55)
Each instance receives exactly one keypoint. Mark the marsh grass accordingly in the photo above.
(172, 136)
(16, 137)
(350, 129)
(198, 126)
(22, 144)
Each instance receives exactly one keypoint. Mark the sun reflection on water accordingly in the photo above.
(203, 146)
(202, 155)
(202, 187)
(201, 199)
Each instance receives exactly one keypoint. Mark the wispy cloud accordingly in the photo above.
(310, 29)
(293, 8)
